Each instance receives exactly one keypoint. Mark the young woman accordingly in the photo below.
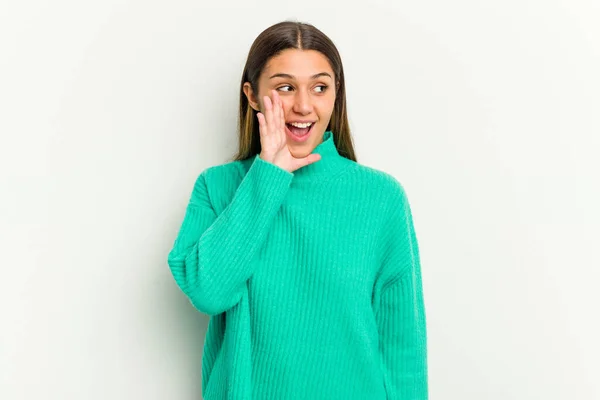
(305, 260)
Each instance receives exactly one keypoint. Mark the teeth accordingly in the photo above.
(298, 125)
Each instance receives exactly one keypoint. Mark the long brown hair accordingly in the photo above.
(272, 41)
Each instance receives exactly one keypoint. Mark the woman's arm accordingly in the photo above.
(399, 308)
(212, 257)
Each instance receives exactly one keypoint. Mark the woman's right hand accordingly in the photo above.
(273, 139)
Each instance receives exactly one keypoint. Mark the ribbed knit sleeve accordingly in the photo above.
(212, 256)
(399, 307)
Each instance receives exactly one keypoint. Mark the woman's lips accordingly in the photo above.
(296, 138)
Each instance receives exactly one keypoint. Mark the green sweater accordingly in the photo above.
(311, 280)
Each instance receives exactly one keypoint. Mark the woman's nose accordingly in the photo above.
(302, 104)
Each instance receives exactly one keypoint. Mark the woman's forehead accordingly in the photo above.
(299, 65)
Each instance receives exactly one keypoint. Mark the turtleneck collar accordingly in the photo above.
(329, 165)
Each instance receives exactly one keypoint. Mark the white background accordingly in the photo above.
(486, 111)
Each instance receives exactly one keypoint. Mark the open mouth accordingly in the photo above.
(299, 132)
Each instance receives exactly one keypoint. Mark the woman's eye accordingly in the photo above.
(324, 87)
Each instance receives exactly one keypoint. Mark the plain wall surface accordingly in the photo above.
(487, 112)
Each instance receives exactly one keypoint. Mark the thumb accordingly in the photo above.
(309, 159)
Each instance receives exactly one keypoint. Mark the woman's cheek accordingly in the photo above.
(287, 105)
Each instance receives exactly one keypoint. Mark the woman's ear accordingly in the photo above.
(252, 101)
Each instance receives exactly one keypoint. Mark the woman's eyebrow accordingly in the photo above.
(282, 75)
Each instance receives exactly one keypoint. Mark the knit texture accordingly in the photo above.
(311, 279)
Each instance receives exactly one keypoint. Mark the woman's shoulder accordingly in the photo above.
(382, 181)
(226, 172)
(219, 182)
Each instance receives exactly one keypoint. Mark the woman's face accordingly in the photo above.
(306, 84)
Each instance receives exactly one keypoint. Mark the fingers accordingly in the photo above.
(261, 124)
(312, 157)
(272, 121)
(309, 159)
(281, 117)
(274, 114)
(275, 105)
(276, 110)
(268, 114)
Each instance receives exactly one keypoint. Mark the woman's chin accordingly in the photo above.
(302, 149)
(298, 150)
